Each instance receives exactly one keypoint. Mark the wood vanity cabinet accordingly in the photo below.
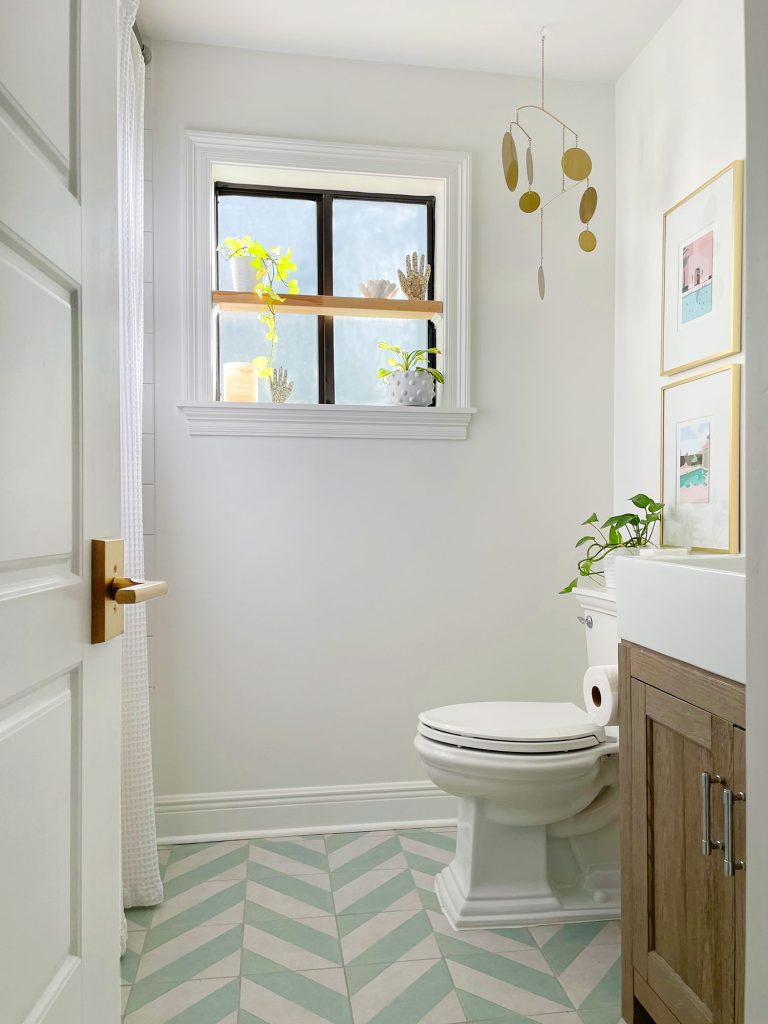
(681, 764)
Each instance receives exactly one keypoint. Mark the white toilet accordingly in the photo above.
(538, 801)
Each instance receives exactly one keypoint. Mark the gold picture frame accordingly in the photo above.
(733, 323)
(731, 488)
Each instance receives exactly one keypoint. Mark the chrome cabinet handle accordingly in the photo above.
(707, 844)
(730, 866)
(586, 620)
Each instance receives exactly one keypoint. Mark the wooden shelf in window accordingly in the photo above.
(333, 305)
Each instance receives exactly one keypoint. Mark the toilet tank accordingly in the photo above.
(597, 607)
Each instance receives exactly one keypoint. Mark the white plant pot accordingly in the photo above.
(608, 566)
(410, 387)
(243, 274)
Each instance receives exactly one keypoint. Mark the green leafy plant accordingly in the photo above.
(416, 360)
(628, 530)
(272, 265)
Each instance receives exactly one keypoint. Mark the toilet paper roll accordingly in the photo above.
(601, 694)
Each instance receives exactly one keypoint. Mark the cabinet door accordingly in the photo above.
(683, 914)
(739, 850)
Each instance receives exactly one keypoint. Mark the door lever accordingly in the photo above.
(127, 591)
(111, 590)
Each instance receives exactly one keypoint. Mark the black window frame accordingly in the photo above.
(324, 201)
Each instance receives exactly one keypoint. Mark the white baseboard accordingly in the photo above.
(252, 814)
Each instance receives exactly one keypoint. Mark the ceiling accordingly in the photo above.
(594, 40)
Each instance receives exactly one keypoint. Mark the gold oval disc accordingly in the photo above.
(576, 163)
(587, 241)
(529, 165)
(542, 283)
(588, 205)
(529, 201)
(509, 161)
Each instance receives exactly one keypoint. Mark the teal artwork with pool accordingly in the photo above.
(693, 450)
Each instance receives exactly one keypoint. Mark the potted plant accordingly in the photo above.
(631, 532)
(257, 269)
(410, 381)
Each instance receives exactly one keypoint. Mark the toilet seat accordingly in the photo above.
(512, 727)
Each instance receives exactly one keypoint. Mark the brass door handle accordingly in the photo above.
(127, 591)
(111, 590)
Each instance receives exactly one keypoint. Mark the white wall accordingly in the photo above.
(679, 120)
(302, 636)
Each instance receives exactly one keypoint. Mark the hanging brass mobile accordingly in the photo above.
(576, 165)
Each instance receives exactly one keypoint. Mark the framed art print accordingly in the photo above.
(700, 461)
(701, 290)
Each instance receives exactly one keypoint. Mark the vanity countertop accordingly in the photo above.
(690, 607)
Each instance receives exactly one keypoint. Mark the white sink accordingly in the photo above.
(690, 607)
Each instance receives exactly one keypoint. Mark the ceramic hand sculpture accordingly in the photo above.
(279, 385)
(414, 281)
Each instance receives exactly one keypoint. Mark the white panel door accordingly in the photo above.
(59, 486)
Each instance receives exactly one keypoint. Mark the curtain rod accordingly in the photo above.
(146, 53)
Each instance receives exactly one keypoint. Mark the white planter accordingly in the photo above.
(608, 565)
(243, 274)
(410, 387)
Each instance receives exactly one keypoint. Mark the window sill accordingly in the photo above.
(236, 419)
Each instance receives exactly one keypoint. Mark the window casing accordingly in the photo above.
(322, 280)
(224, 156)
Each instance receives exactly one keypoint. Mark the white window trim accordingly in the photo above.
(450, 419)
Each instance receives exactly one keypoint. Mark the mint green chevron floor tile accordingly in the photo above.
(406, 992)
(567, 941)
(427, 852)
(296, 896)
(603, 1015)
(507, 985)
(364, 851)
(203, 862)
(129, 961)
(346, 929)
(295, 997)
(285, 944)
(286, 857)
(139, 918)
(477, 940)
(386, 938)
(212, 1001)
(371, 892)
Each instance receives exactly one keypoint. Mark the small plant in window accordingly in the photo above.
(411, 380)
(258, 269)
(638, 533)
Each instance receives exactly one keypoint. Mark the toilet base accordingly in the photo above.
(464, 911)
(507, 875)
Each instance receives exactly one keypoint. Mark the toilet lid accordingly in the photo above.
(512, 726)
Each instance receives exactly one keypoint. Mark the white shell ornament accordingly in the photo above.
(378, 288)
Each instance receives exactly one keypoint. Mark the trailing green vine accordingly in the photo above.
(271, 266)
(628, 530)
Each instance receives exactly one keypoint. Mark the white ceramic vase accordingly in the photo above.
(243, 274)
(410, 387)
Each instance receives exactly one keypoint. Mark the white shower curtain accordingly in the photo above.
(141, 873)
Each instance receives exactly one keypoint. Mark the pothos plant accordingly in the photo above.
(272, 265)
(418, 359)
(628, 530)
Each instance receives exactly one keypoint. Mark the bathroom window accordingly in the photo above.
(339, 239)
(350, 214)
